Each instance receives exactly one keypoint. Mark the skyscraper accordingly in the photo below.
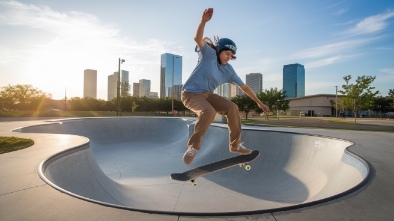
(90, 83)
(294, 80)
(124, 83)
(144, 88)
(170, 75)
(228, 90)
(234, 90)
(112, 85)
(136, 89)
(222, 90)
(255, 82)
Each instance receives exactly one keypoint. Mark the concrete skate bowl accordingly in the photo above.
(126, 163)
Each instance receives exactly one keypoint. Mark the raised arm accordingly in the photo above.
(198, 36)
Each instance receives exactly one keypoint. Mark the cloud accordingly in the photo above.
(333, 48)
(346, 49)
(7, 55)
(77, 31)
(341, 11)
(331, 53)
(342, 50)
(385, 77)
(371, 24)
(387, 70)
(70, 42)
(323, 62)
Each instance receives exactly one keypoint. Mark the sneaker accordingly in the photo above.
(241, 150)
(189, 155)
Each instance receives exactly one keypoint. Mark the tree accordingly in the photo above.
(165, 104)
(244, 103)
(130, 103)
(391, 92)
(358, 95)
(274, 99)
(382, 105)
(86, 104)
(24, 97)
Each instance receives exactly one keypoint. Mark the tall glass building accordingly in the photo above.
(124, 83)
(170, 75)
(144, 87)
(294, 80)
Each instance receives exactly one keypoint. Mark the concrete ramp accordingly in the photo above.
(126, 163)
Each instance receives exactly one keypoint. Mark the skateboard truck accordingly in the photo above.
(246, 166)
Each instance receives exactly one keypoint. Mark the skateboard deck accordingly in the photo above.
(193, 174)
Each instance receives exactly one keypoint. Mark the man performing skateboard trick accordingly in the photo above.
(213, 70)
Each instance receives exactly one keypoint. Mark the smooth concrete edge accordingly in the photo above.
(282, 209)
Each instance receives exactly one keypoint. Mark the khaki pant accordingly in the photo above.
(206, 105)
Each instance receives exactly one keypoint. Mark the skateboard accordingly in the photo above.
(193, 174)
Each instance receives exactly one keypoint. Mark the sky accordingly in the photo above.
(49, 43)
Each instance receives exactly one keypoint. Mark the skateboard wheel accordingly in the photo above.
(194, 183)
(248, 167)
(241, 164)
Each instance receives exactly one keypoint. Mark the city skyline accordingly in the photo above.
(331, 39)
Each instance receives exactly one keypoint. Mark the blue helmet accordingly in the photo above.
(226, 44)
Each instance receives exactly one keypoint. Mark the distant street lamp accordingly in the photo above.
(172, 86)
(118, 112)
(336, 101)
(277, 109)
(65, 99)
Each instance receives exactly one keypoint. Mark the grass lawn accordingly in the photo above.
(9, 144)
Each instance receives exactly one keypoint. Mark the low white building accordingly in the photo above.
(314, 105)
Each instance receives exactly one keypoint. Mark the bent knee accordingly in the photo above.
(208, 112)
(233, 107)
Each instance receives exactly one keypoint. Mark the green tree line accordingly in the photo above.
(358, 95)
(26, 97)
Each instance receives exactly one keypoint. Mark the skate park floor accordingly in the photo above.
(25, 196)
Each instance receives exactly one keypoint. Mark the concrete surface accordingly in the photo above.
(23, 188)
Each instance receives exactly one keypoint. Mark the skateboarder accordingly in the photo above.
(211, 71)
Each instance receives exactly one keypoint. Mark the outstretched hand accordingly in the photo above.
(265, 108)
(207, 15)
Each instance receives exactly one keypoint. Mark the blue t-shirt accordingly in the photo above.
(209, 74)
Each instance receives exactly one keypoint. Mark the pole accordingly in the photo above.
(65, 99)
(118, 91)
(172, 86)
(336, 101)
(118, 98)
